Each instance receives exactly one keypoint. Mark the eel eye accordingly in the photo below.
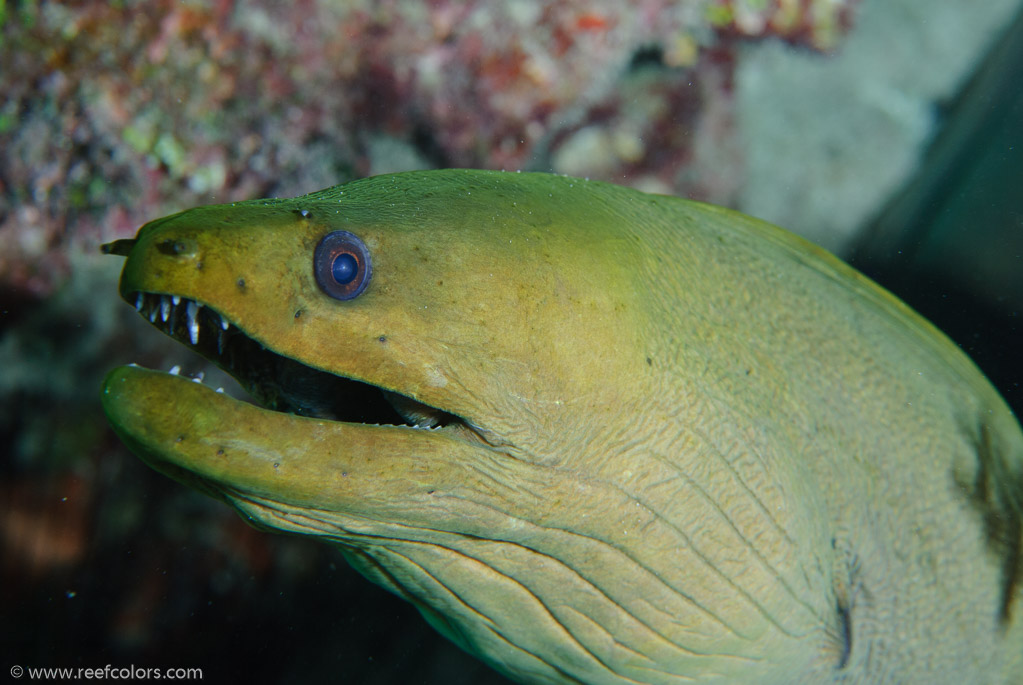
(341, 265)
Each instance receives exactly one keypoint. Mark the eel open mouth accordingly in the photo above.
(277, 382)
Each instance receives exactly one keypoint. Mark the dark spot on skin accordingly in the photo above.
(992, 495)
(298, 313)
(1011, 571)
(848, 587)
(198, 265)
(440, 282)
(220, 453)
(276, 465)
(430, 492)
(241, 284)
(180, 438)
(749, 371)
(422, 258)
(382, 338)
(649, 361)
(845, 625)
(344, 474)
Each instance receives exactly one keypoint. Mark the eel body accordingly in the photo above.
(594, 435)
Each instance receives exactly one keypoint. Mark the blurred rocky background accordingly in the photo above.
(886, 130)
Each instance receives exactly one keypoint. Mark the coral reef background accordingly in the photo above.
(811, 113)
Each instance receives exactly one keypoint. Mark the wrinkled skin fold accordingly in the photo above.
(594, 435)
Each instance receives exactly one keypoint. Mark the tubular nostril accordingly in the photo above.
(118, 247)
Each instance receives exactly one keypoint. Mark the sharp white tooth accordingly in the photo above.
(193, 326)
(152, 314)
(223, 323)
(138, 302)
(176, 299)
(165, 308)
(197, 380)
(220, 390)
(199, 376)
(133, 364)
(174, 370)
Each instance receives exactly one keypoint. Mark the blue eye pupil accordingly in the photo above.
(341, 264)
(344, 269)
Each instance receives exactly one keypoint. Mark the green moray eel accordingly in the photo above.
(594, 435)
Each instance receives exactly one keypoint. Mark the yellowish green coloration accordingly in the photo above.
(675, 444)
